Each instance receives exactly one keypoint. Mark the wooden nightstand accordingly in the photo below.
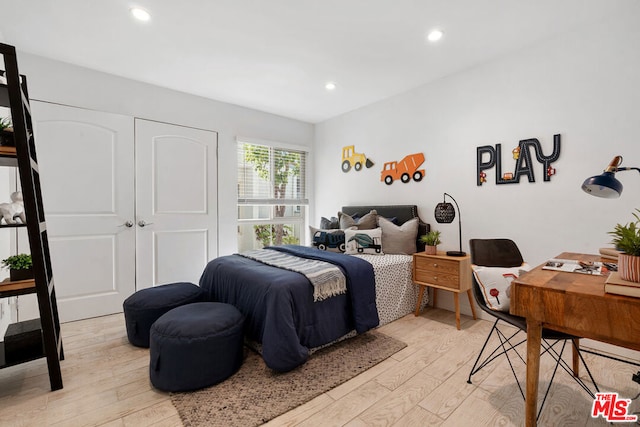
(443, 272)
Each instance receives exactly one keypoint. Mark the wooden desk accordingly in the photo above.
(573, 303)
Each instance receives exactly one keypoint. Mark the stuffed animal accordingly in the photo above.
(13, 210)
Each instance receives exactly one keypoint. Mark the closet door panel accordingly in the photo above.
(86, 161)
(172, 157)
(176, 202)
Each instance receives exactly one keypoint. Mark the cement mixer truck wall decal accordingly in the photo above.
(404, 169)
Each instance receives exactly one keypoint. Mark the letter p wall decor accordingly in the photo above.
(489, 157)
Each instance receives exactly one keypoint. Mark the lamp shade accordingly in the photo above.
(604, 185)
(444, 213)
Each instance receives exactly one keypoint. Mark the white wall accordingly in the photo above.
(584, 85)
(80, 87)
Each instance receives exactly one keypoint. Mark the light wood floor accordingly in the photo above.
(106, 383)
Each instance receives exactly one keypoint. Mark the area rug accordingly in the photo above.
(256, 394)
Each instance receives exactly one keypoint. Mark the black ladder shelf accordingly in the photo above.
(15, 96)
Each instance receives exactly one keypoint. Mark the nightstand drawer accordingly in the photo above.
(438, 278)
(436, 266)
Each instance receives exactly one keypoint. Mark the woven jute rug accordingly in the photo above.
(256, 394)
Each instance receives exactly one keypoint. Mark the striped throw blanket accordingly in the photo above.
(327, 279)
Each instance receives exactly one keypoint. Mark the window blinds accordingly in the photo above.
(270, 175)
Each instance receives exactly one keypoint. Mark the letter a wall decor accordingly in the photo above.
(489, 157)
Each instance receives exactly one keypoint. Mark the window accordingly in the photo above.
(271, 195)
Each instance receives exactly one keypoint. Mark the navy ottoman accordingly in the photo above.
(196, 346)
(145, 307)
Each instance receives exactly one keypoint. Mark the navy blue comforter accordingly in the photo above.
(279, 308)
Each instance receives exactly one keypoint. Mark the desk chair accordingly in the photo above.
(505, 253)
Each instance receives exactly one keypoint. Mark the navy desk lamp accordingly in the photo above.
(606, 185)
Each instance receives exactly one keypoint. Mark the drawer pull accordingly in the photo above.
(435, 278)
(435, 265)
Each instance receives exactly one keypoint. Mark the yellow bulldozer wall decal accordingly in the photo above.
(351, 159)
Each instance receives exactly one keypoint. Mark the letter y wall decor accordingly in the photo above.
(489, 157)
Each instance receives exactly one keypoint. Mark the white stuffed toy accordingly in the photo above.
(15, 209)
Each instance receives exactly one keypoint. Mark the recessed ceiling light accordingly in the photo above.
(140, 14)
(330, 86)
(435, 35)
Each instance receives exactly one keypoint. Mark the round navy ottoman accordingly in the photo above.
(145, 307)
(196, 346)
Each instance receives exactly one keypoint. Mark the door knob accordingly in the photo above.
(127, 224)
(143, 223)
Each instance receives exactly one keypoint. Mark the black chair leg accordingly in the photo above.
(507, 345)
(473, 369)
(553, 375)
(549, 348)
(497, 352)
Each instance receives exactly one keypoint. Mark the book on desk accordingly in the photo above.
(610, 253)
(615, 285)
(575, 266)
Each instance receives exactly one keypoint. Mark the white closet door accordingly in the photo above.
(86, 161)
(176, 202)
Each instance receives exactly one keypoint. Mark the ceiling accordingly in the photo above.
(277, 55)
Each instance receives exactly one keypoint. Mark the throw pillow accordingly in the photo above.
(367, 222)
(495, 284)
(394, 219)
(329, 224)
(331, 240)
(363, 241)
(399, 239)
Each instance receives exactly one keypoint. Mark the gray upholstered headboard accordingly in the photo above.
(403, 213)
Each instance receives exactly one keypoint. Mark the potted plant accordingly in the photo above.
(6, 132)
(20, 267)
(431, 240)
(626, 238)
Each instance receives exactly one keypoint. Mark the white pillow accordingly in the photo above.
(363, 241)
(495, 284)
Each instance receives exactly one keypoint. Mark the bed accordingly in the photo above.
(278, 303)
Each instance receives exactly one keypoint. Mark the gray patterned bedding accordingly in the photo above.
(396, 295)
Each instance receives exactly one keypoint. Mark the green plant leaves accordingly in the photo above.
(432, 238)
(627, 237)
(18, 262)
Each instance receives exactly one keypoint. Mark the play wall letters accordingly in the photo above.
(489, 157)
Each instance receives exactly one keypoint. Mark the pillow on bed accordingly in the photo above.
(329, 224)
(367, 222)
(393, 219)
(399, 239)
(363, 241)
(331, 240)
(495, 284)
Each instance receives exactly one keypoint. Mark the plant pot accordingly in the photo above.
(629, 267)
(22, 274)
(6, 139)
(430, 250)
